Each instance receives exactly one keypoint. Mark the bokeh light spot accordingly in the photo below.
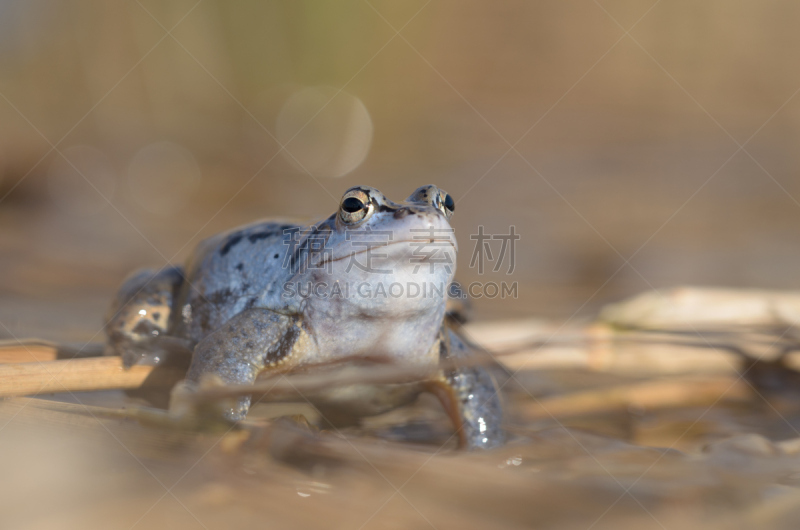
(326, 132)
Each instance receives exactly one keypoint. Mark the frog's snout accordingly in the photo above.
(418, 224)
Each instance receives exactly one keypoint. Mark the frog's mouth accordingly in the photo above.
(414, 245)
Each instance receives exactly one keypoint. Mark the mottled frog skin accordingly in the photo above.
(369, 282)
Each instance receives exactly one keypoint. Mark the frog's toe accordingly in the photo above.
(133, 354)
(182, 401)
(186, 405)
(236, 409)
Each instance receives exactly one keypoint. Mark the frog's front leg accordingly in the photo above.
(470, 396)
(237, 352)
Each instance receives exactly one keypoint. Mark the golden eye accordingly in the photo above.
(444, 202)
(355, 207)
(449, 203)
(352, 205)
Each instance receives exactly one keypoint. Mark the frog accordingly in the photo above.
(277, 297)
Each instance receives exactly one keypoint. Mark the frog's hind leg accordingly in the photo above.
(470, 396)
(140, 314)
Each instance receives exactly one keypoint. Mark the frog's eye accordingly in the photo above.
(444, 202)
(436, 197)
(449, 203)
(352, 205)
(355, 207)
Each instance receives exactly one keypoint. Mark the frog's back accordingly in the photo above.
(232, 272)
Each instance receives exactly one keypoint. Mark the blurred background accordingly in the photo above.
(663, 133)
(631, 144)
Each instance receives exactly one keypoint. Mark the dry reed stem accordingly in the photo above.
(77, 375)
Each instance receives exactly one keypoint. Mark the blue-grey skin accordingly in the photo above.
(242, 303)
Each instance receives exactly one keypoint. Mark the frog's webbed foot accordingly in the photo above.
(470, 398)
(188, 415)
(187, 409)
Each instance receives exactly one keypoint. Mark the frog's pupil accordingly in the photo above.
(352, 205)
(449, 203)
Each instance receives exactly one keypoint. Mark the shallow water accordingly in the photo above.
(733, 462)
(67, 469)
